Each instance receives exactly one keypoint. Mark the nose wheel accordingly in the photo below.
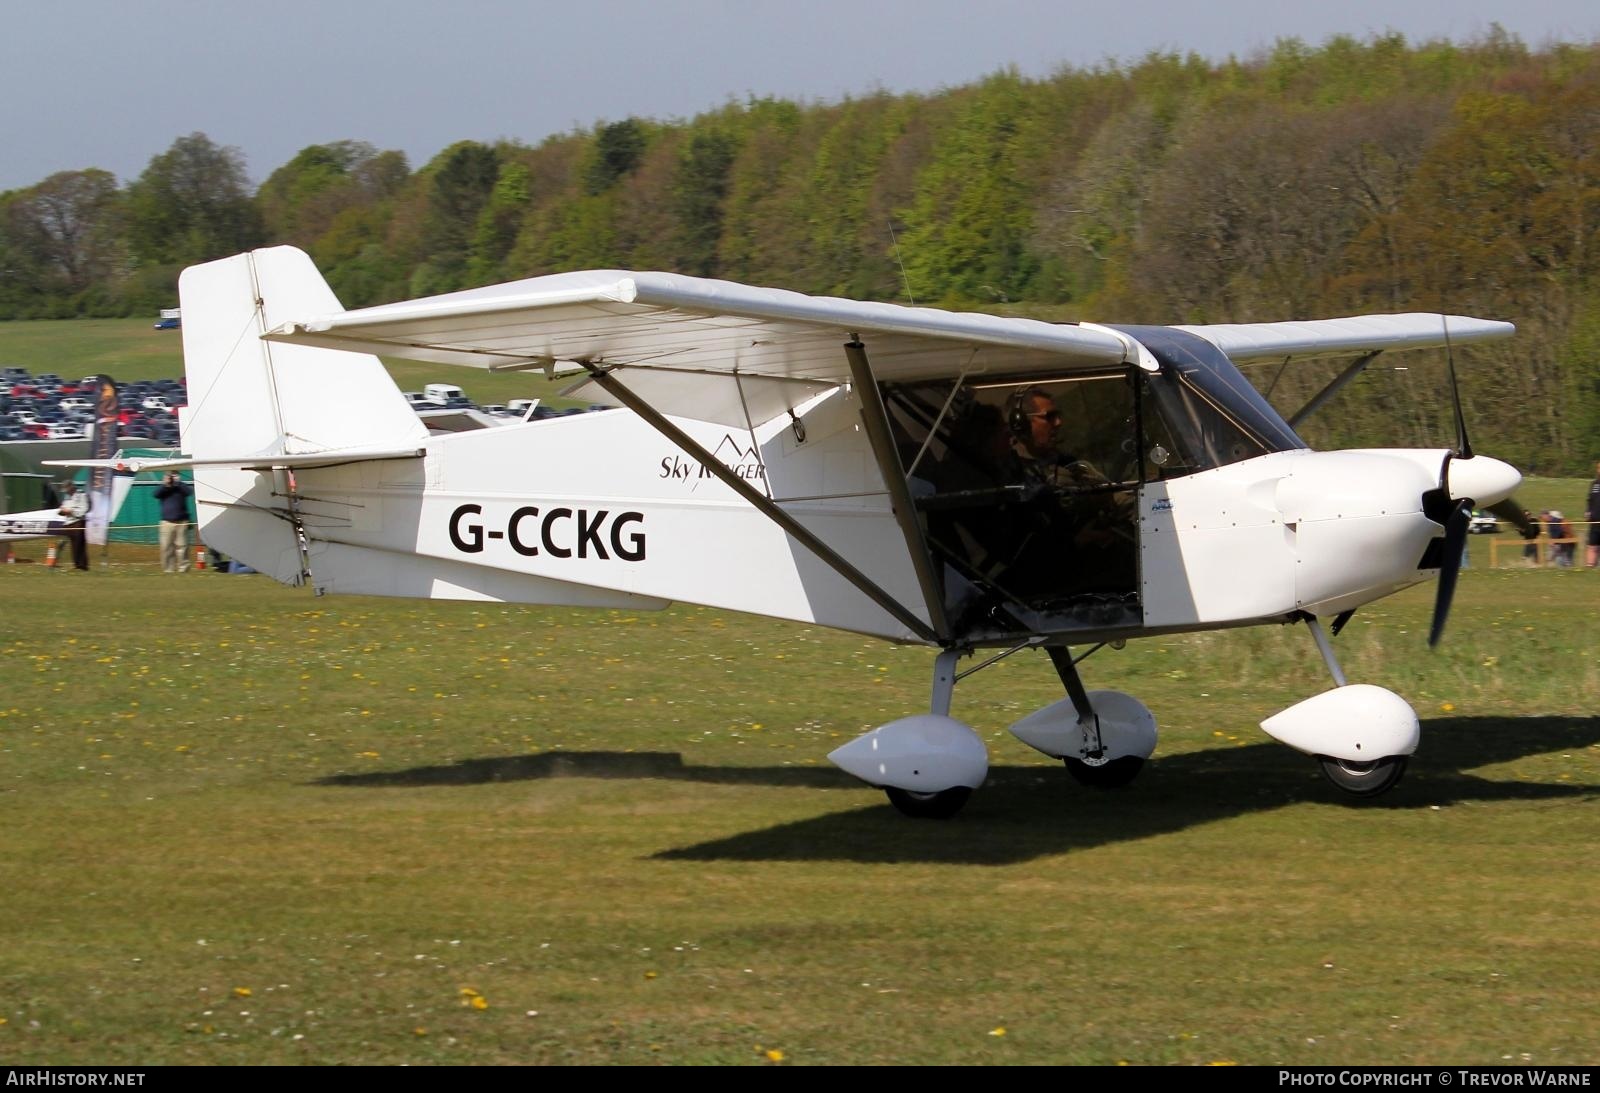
(1363, 779)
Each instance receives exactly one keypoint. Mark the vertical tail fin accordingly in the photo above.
(250, 398)
(247, 396)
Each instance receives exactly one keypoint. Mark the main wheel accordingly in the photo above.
(1111, 774)
(929, 806)
(1363, 779)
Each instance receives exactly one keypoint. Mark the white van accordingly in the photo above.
(522, 407)
(442, 393)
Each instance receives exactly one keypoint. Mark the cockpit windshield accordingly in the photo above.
(1199, 410)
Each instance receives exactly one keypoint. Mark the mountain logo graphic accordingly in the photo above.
(744, 461)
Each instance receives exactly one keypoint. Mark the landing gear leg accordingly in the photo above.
(1093, 768)
(928, 764)
(1357, 777)
(947, 802)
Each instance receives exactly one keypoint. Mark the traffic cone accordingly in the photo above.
(199, 557)
(50, 557)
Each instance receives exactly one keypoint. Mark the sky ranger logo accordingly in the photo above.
(1161, 504)
(743, 462)
(558, 532)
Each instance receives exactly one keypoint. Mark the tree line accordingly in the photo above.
(1359, 175)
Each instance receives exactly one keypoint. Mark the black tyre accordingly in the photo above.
(929, 806)
(1367, 779)
(1112, 774)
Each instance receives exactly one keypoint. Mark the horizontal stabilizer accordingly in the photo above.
(253, 461)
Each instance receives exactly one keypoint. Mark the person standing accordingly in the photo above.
(75, 507)
(174, 496)
(1592, 514)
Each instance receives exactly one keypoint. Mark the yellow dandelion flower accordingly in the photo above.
(479, 1002)
(468, 992)
(774, 1055)
(999, 1031)
(419, 1031)
(242, 992)
(649, 975)
(1447, 707)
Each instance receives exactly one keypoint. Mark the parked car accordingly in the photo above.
(166, 324)
(1482, 523)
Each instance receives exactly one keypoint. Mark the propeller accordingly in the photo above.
(1515, 515)
(1455, 541)
(1459, 521)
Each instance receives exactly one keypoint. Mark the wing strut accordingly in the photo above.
(763, 504)
(876, 421)
(1355, 368)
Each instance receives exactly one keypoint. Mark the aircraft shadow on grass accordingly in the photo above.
(1023, 812)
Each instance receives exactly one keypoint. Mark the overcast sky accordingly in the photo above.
(110, 83)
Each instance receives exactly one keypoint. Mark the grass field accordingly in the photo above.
(239, 824)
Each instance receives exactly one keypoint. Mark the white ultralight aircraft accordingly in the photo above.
(870, 467)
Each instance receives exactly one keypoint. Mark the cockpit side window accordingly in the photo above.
(1024, 490)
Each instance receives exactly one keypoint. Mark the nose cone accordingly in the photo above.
(1482, 480)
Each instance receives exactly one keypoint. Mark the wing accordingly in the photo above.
(1348, 337)
(710, 350)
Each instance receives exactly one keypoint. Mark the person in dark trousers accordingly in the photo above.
(174, 496)
(75, 507)
(1592, 514)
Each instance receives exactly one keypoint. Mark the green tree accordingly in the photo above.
(192, 204)
(699, 198)
(66, 229)
(618, 150)
(458, 186)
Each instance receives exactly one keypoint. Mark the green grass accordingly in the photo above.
(621, 831)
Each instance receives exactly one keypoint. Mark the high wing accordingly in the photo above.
(682, 342)
(1358, 334)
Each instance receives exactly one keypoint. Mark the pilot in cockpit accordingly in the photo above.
(1036, 455)
(1079, 522)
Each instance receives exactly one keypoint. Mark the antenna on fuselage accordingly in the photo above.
(904, 276)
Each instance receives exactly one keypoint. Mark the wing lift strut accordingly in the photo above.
(1355, 368)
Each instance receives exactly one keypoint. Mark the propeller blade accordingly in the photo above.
(1515, 515)
(1455, 541)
